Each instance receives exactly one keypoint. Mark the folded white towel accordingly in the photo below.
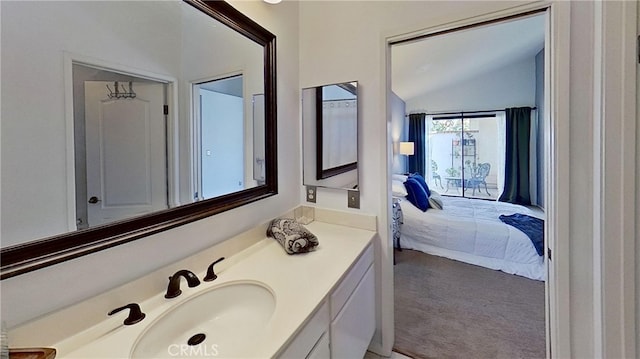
(293, 236)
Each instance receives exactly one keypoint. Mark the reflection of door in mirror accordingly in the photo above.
(126, 155)
(120, 146)
(219, 108)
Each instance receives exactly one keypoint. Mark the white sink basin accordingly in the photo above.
(230, 316)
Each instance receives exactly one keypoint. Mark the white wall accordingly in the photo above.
(30, 295)
(510, 86)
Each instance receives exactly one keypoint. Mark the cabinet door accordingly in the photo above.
(309, 337)
(321, 350)
(353, 327)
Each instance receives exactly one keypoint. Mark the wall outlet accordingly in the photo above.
(353, 199)
(311, 194)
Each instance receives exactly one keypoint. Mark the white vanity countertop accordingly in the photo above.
(300, 282)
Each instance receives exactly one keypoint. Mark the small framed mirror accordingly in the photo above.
(330, 135)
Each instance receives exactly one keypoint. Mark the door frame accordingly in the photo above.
(556, 153)
(172, 141)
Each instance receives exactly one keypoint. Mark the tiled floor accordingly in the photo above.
(394, 355)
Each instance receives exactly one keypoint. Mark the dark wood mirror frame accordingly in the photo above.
(30, 256)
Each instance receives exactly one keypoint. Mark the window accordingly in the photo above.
(465, 155)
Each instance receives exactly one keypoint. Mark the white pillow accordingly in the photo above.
(398, 177)
(435, 201)
(398, 189)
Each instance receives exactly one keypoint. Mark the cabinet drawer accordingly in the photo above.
(344, 290)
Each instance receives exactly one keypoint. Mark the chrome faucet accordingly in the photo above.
(173, 289)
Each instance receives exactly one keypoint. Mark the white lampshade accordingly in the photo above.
(406, 148)
(272, 1)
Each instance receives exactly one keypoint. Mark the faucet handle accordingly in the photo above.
(210, 274)
(135, 314)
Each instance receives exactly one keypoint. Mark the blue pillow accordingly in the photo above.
(422, 182)
(416, 194)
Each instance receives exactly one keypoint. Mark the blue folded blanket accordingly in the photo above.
(531, 226)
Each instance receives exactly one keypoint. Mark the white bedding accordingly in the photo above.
(470, 231)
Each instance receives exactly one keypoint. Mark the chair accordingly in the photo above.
(434, 174)
(479, 178)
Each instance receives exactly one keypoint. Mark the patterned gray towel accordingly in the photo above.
(293, 236)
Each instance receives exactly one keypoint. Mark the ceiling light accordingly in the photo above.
(272, 1)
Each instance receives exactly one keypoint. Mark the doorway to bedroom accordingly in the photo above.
(470, 272)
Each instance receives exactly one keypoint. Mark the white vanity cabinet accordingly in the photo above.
(352, 304)
(324, 303)
(345, 323)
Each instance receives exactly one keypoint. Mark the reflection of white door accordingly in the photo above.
(222, 141)
(126, 152)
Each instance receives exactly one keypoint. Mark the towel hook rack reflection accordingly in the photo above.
(118, 93)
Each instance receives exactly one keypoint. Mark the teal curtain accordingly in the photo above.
(417, 136)
(516, 179)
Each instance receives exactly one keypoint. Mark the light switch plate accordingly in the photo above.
(353, 199)
(311, 194)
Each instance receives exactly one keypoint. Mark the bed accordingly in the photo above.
(469, 230)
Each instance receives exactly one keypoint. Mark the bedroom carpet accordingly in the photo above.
(449, 309)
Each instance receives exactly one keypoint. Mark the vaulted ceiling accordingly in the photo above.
(435, 62)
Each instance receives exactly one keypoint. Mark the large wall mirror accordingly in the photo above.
(121, 119)
(330, 135)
